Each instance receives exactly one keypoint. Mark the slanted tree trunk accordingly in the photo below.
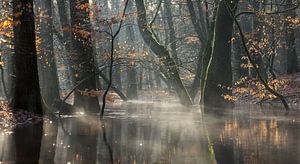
(26, 91)
(83, 57)
(169, 67)
(218, 75)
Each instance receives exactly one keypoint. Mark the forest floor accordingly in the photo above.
(291, 92)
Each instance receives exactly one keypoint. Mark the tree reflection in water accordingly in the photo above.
(28, 143)
(152, 133)
(104, 136)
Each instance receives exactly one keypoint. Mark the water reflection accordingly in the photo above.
(27, 142)
(153, 133)
(50, 136)
(78, 145)
(110, 151)
(257, 137)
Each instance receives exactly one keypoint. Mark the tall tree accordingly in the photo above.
(200, 25)
(169, 67)
(26, 89)
(292, 60)
(172, 33)
(131, 68)
(218, 74)
(47, 62)
(82, 59)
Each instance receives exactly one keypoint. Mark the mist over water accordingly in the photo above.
(144, 132)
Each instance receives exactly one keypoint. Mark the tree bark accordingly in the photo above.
(218, 75)
(47, 62)
(83, 57)
(26, 91)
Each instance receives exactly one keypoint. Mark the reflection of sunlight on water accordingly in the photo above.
(259, 132)
(169, 136)
(166, 137)
(163, 133)
(254, 136)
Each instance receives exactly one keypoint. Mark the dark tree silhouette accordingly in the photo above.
(26, 89)
(218, 73)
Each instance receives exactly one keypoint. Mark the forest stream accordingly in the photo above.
(145, 132)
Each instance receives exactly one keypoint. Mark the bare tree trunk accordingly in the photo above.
(26, 91)
(292, 60)
(218, 75)
(47, 63)
(83, 58)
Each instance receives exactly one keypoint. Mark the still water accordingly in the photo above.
(145, 133)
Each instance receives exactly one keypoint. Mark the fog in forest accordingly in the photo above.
(149, 81)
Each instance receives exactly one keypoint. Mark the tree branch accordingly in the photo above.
(243, 39)
(269, 13)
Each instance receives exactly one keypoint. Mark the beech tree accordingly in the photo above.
(25, 86)
(218, 74)
(47, 62)
(26, 89)
(82, 58)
